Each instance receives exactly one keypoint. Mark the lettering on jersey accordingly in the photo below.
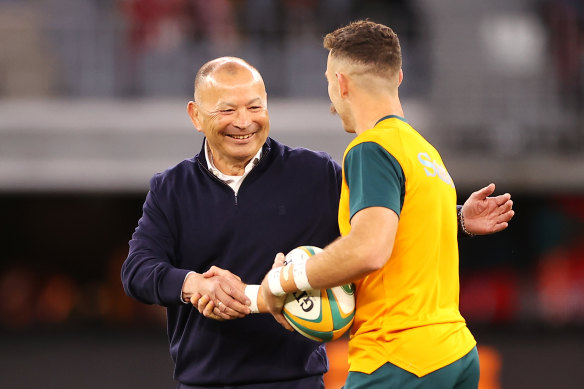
(432, 168)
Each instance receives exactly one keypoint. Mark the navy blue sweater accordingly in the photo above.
(191, 220)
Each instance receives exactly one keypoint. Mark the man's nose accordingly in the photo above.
(242, 118)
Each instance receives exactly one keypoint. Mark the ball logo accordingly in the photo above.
(322, 315)
(306, 303)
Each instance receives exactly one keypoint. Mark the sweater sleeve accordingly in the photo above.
(147, 273)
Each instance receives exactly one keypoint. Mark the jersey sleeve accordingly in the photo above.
(374, 177)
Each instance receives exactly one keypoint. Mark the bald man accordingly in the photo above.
(243, 198)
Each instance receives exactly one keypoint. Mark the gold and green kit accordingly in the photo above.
(407, 312)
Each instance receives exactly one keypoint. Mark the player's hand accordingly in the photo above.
(487, 215)
(272, 303)
(225, 292)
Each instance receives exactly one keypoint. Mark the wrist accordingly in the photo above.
(274, 283)
(461, 224)
(251, 291)
(189, 287)
(289, 278)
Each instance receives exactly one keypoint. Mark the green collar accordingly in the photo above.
(389, 117)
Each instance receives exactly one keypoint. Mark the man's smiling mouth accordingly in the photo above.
(241, 137)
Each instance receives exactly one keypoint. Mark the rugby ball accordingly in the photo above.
(321, 315)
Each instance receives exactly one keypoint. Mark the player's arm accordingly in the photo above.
(364, 250)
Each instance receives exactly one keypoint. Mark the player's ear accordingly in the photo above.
(401, 77)
(193, 111)
(343, 84)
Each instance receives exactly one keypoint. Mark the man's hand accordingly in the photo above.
(486, 215)
(217, 294)
(272, 303)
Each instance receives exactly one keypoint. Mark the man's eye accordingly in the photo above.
(227, 110)
(255, 108)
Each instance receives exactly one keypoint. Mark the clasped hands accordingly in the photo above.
(217, 294)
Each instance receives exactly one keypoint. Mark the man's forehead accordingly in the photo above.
(232, 95)
(216, 88)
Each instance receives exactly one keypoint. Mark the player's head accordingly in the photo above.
(364, 55)
(230, 108)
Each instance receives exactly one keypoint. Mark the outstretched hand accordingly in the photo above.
(486, 215)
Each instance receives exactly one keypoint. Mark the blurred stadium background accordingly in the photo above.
(93, 100)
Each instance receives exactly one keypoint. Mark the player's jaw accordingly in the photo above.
(346, 121)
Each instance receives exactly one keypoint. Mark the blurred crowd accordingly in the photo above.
(119, 48)
(67, 273)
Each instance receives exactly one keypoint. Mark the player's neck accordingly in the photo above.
(370, 110)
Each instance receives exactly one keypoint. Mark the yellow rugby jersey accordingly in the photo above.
(407, 313)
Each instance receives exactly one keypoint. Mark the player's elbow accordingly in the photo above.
(374, 259)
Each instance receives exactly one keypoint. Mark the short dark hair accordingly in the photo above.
(367, 43)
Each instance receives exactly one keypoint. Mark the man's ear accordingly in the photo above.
(193, 111)
(343, 84)
(401, 77)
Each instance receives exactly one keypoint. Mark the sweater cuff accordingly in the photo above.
(170, 289)
(183, 284)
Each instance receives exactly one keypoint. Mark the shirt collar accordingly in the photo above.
(225, 177)
(390, 117)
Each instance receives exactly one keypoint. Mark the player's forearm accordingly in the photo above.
(365, 249)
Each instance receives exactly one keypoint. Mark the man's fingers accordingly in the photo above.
(502, 199)
(202, 303)
(505, 217)
(230, 303)
(207, 309)
(500, 227)
(233, 298)
(227, 313)
(508, 206)
(236, 290)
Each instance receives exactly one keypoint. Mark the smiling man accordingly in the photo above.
(242, 199)
(230, 108)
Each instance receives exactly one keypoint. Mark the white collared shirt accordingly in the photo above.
(233, 181)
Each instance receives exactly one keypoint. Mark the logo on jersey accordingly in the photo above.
(432, 169)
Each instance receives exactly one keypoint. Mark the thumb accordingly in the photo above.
(211, 272)
(485, 192)
(279, 261)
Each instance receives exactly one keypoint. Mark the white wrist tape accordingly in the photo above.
(251, 291)
(274, 282)
(299, 273)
